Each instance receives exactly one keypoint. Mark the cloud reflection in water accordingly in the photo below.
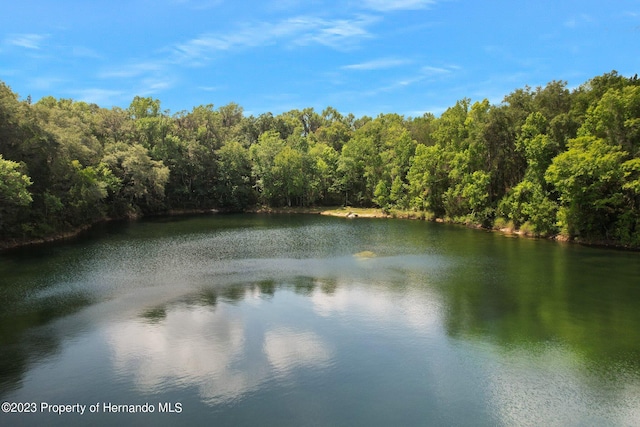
(208, 348)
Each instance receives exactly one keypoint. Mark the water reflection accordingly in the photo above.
(288, 349)
(551, 385)
(436, 325)
(519, 295)
(196, 342)
(418, 309)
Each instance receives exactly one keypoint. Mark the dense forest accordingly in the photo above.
(547, 161)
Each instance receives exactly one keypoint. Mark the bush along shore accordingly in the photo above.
(545, 162)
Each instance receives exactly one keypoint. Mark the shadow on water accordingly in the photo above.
(526, 293)
(24, 338)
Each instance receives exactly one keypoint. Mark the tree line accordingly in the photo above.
(546, 161)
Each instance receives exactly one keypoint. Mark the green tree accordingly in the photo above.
(14, 193)
(288, 169)
(428, 179)
(381, 194)
(359, 169)
(589, 179)
(616, 118)
(263, 155)
(142, 179)
(234, 177)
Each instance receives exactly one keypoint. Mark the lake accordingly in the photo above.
(306, 320)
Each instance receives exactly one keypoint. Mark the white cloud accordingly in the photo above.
(288, 349)
(27, 41)
(297, 31)
(286, 5)
(154, 74)
(197, 4)
(100, 96)
(153, 85)
(45, 82)
(132, 70)
(579, 20)
(85, 52)
(341, 34)
(151, 356)
(420, 311)
(432, 71)
(9, 72)
(377, 64)
(425, 73)
(201, 347)
(210, 88)
(147, 77)
(391, 5)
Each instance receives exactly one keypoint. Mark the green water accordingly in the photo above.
(275, 321)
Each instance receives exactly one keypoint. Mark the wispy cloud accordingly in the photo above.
(144, 78)
(197, 4)
(285, 5)
(9, 72)
(425, 73)
(428, 70)
(211, 88)
(341, 34)
(85, 52)
(161, 70)
(579, 20)
(297, 31)
(45, 82)
(27, 41)
(122, 91)
(134, 69)
(154, 84)
(100, 96)
(391, 5)
(377, 64)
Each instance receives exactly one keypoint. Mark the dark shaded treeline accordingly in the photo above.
(546, 161)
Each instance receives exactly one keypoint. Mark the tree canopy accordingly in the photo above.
(547, 160)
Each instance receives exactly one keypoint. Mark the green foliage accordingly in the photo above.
(359, 168)
(546, 160)
(263, 155)
(428, 179)
(288, 168)
(527, 202)
(616, 118)
(325, 164)
(469, 196)
(14, 194)
(142, 179)
(13, 184)
(381, 195)
(588, 178)
(234, 176)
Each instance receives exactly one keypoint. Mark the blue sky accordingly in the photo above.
(358, 56)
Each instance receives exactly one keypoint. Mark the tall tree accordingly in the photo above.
(14, 194)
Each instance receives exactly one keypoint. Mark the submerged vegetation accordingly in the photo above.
(546, 161)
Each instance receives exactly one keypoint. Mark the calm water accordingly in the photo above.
(281, 320)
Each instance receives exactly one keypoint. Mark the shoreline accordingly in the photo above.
(354, 213)
(18, 243)
(341, 212)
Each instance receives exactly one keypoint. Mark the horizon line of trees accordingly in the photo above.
(547, 160)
